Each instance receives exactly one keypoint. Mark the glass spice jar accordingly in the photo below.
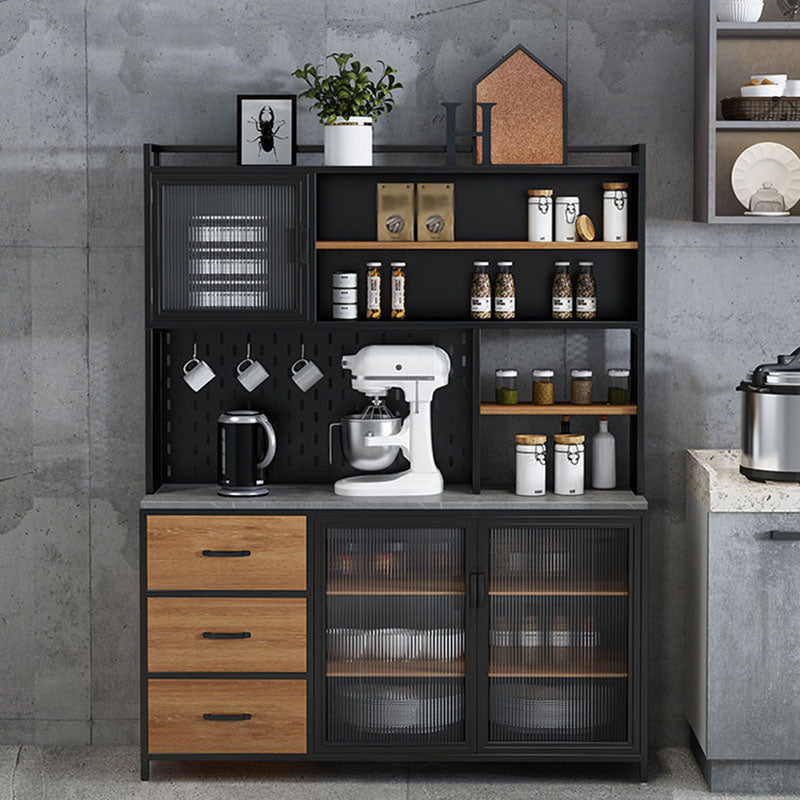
(562, 291)
(586, 292)
(619, 387)
(480, 292)
(398, 289)
(506, 392)
(580, 388)
(374, 289)
(543, 389)
(504, 293)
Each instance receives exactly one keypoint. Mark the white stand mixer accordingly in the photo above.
(418, 370)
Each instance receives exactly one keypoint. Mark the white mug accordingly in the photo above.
(250, 373)
(197, 373)
(305, 373)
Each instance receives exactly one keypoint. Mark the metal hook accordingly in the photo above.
(194, 348)
(248, 348)
(302, 349)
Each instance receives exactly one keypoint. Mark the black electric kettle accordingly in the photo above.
(246, 446)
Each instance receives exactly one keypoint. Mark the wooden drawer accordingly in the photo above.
(179, 713)
(226, 553)
(207, 634)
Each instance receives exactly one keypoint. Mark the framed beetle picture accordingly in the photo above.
(266, 130)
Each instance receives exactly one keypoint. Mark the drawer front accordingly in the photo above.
(226, 634)
(226, 553)
(226, 716)
(753, 635)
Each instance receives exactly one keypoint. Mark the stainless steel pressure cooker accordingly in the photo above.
(771, 421)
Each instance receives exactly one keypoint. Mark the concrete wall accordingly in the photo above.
(84, 84)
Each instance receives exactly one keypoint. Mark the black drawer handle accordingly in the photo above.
(227, 717)
(226, 553)
(213, 635)
(785, 536)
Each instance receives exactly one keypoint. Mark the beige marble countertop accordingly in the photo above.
(713, 477)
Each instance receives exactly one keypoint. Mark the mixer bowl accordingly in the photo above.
(358, 455)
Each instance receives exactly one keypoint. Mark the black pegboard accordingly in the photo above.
(187, 420)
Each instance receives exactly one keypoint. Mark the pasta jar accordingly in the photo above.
(543, 389)
(580, 387)
(615, 212)
(540, 215)
(619, 387)
(531, 464)
(567, 210)
(506, 392)
(569, 463)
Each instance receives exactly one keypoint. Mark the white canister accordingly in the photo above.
(345, 295)
(345, 311)
(567, 210)
(540, 215)
(569, 463)
(345, 280)
(531, 464)
(615, 212)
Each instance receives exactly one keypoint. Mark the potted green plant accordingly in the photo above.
(348, 101)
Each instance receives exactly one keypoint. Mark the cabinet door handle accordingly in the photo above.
(477, 589)
(213, 635)
(227, 717)
(785, 536)
(226, 553)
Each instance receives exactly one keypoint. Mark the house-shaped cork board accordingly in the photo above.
(528, 122)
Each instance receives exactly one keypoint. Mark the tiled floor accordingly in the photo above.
(99, 773)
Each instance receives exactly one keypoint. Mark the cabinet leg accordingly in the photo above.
(643, 774)
(145, 768)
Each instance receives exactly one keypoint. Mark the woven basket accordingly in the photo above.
(762, 109)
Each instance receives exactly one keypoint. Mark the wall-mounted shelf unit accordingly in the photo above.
(558, 409)
(726, 54)
(483, 245)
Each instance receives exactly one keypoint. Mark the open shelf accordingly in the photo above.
(758, 30)
(558, 409)
(425, 668)
(603, 664)
(562, 588)
(406, 588)
(468, 324)
(476, 245)
(756, 125)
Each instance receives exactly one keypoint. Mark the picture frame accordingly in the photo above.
(266, 130)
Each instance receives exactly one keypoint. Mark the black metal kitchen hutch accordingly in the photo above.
(425, 624)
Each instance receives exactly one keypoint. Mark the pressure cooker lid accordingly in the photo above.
(782, 376)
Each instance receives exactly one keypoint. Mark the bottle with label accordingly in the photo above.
(505, 302)
(480, 292)
(604, 458)
(562, 291)
(586, 292)
(398, 289)
(374, 289)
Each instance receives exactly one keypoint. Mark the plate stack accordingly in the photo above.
(524, 707)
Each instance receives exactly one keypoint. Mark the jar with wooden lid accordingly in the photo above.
(615, 211)
(531, 464)
(506, 392)
(580, 387)
(567, 210)
(540, 215)
(569, 463)
(543, 388)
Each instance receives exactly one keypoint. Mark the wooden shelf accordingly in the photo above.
(367, 587)
(390, 669)
(555, 588)
(558, 409)
(758, 30)
(602, 665)
(475, 245)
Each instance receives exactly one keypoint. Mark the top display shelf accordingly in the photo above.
(758, 30)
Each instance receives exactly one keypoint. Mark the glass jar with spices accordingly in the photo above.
(374, 289)
(580, 387)
(480, 292)
(619, 387)
(562, 291)
(506, 392)
(398, 289)
(586, 292)
(505, 303)
(540, 215)
(543, 387)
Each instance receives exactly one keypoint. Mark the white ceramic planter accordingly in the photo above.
(348, 142)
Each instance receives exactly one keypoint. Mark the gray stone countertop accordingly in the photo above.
(310, 497)
(713, 477)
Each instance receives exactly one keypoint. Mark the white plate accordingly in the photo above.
(767, 214)
(766, 162)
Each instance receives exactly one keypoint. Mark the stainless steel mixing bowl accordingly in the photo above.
(355, 428)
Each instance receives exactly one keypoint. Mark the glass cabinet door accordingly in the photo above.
(222, 248)
(395, 635)
(558, 634)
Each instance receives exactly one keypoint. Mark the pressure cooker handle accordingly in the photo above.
(330, 440)
(272, 444)
(791, 364)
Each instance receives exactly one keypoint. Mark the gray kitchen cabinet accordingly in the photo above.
(743, 626)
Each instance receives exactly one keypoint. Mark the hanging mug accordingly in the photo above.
(250, 372)
(196, 372)
(305, 373)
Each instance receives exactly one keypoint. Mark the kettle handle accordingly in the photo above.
(272, 444)
(791, 364)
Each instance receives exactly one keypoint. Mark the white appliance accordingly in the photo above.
(418, 371)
